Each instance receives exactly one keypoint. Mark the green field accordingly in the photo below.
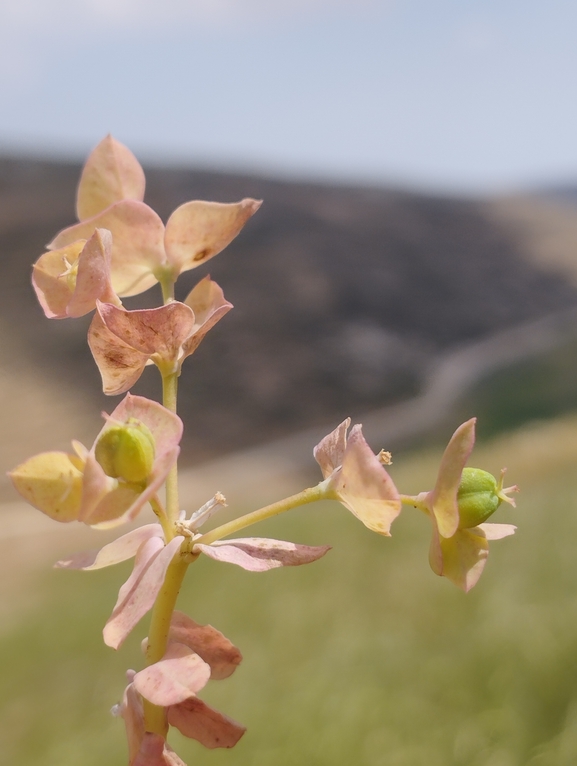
(364, 657)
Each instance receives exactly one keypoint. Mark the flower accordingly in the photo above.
(110, 195)
(357, 478)
(458, 506)
(69, 281)
(77, 487)
(124, 342)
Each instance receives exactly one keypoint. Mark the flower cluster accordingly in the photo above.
(82, 486)
(459, 505)
(120, 248)
(144, 251)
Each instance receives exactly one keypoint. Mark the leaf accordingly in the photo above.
(197, 720)
(52, 483)
(330, 451)
(257, 554)
(443, 498)
(137, 244)
(141, 595)
(159, 331)
(111, 173)
(121, 549)
(365, 487)
(199, 230)
(176, 677)
(154, 751)
(208, 642)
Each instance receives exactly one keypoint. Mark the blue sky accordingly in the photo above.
(457, 95)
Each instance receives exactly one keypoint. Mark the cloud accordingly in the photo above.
(65, 15)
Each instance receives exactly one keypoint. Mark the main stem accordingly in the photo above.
(154, 716)
(169, 397)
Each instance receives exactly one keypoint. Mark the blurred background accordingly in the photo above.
(414, 263)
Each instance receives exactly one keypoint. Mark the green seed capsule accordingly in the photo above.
(126, 452)
(477, 497)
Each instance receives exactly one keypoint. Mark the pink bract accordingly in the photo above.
(459, 555)
(357, 478)
(106, 501)
(110, 196)
(462, 557)
(74, 487)
(124, 342)
(111, 173)
(208, 642)
(257, 554)
(173, 683)
(69, 281)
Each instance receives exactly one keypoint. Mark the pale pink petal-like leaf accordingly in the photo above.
(209, 306)
(52, 482)
(497, 531)
(131, 710)
(364, 486)
(121, 549)
(204, 299)
(198, 230)
(95, 486)
(257, 554)
(119, 364)
(141, 597)
(330, 451)
(93, 278)
(80, 450)
(154, 751)
(50, 279)
(460, 558)
(159, 331)
(435, 552)
(144, 556)
(171, 758)
(137, 244)
(176, 677)
(197, 720)
(111, 173)
(443, 499)
(114, 508)
(208, 642)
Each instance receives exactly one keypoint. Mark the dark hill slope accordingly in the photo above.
(343, 296)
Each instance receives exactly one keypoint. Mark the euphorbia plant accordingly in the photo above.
(121, 248)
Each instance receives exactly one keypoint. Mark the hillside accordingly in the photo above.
(344, 299)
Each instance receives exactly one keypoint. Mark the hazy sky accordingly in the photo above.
(465, 95)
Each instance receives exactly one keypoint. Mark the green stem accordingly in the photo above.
(154, 716)
(167, 286)
(416, 501)
(160, 513)
(170, 390)
(310, 495)
(169, 398)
